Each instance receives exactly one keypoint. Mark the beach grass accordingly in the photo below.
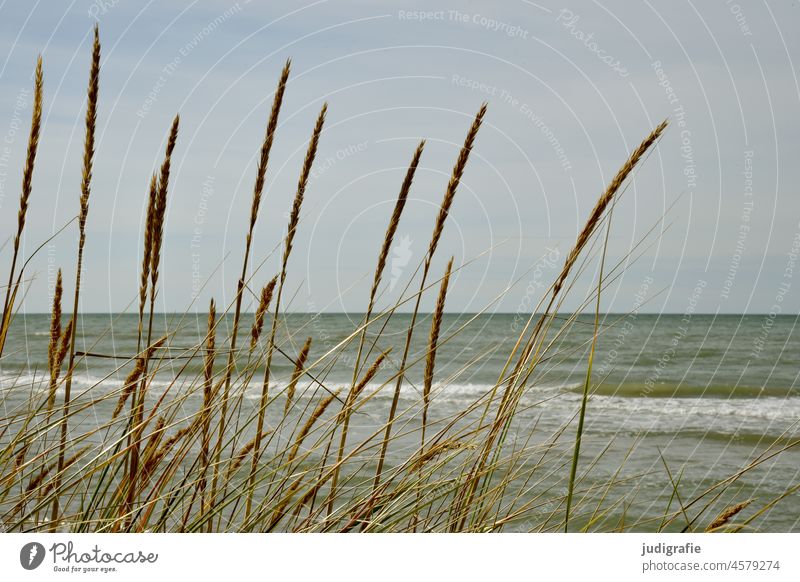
(154, 463)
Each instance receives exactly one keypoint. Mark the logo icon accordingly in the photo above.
(402, 255)
(31, 555)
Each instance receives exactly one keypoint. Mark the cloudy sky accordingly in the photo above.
(572, 88)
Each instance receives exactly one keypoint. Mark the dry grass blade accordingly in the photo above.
(309, 424)
(433, 341)
(129, 386)
(455, 179)
(299, 366)
(156, 235)
(294, 220)
(388, 238)
(160, 209)
(30, 159)
(55, 336)
(36, 481)
(438, 449)
(63, 345)
(242, 454)
(294, 216)
(27, 186)
(91, 121)
(154, 441)
(269, 137)
(430, 364)
(604, 200)
(394, 222)
(727, 514)
(258, 188)
(371, 372)
(135, 375)
(56, 483)
(205, 413)
(444, 211)
(152, 461)
(33, 484)
(279, 511)
(19, 459)
(507, 403)
(261, 311)
(344, 418)
(88, 161)
(211, 335)
(149, 236)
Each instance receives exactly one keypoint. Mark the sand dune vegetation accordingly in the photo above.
(244, 430)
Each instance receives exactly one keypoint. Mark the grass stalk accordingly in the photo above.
(86, 180)
(294, 220)
(444, 211)
(27, 187)
(586, 385)
(156, 235)
(208, 394)
(388, 238)
(258, 190)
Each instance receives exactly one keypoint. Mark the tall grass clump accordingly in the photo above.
(206, 431)
(258, 189)
(294, 221)
(438, 228)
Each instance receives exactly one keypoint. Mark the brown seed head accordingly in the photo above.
(318, 411)
(299, 366)
(211, 334)
(91, 121)
(149, 236)
(726, 515)
(436, 324)
(604, 200)
(161, 206)
(33, 144)
(393, 223)
(55, 329)
(263, 305)
(455, 179)
(266, 146)
(294, 217)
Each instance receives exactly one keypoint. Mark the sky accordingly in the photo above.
(709, 223)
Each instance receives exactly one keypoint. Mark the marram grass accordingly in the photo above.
(291, 461)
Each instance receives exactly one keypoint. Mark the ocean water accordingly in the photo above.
(674, 399)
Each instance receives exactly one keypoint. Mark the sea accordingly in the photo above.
(686, 414)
